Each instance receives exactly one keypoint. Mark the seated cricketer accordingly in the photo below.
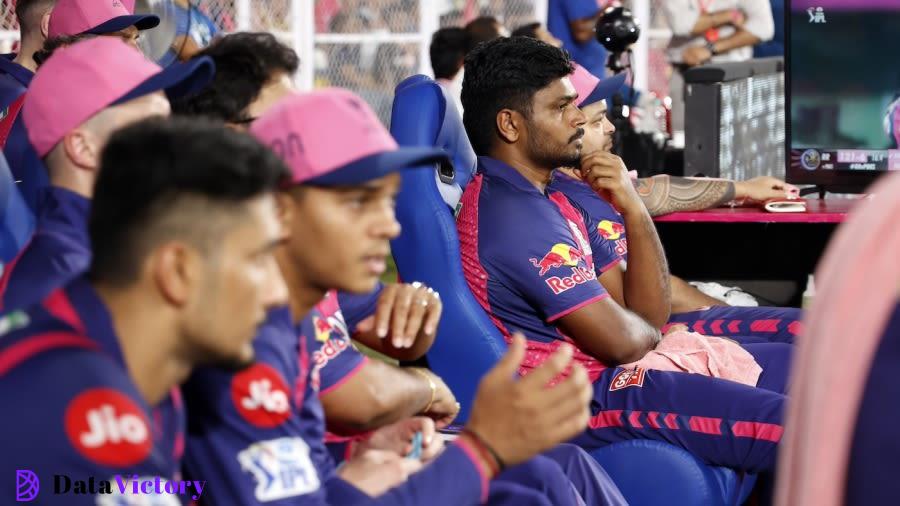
(523, 122)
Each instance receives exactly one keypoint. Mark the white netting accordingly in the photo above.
(365, 45)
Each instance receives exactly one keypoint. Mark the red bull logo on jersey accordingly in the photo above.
(108, 427)
(323, 329)
(610, 230)
(559, 256)
(260, 395)
(560, 284)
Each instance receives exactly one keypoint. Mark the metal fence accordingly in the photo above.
(369, 45)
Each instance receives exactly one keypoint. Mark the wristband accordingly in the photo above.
(711, 46)
(486, 449)
(431, 384)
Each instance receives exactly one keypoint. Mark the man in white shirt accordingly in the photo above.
(714, 31)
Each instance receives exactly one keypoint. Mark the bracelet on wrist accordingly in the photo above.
(486, 450)
(431, 384)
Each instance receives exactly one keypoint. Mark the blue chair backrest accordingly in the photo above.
(16, 219)
(467, 343)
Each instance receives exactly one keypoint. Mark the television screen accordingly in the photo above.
(844, 82)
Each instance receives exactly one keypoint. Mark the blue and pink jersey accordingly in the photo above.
(82, 415)
(762, 324)
(264, 427)
(530, 257)
(58, 252)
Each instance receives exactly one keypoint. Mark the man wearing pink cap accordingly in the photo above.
(183, 227)
(75, 103)
(40, 20)
(339, 212)
(691, 307)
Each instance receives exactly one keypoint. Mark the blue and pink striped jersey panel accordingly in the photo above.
(529, 257)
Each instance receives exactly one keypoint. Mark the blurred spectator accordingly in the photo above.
(574, 22)
(484, 29)
(715, 31)
(194, 30)
(537, 31)
(774, 47)
(447, 51)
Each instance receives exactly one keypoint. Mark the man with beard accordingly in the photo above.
(690, 307)
(532, 258)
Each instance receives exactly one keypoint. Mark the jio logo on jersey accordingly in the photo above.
(260, 395)
(108, 427)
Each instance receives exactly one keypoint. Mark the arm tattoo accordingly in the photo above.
(667, 194)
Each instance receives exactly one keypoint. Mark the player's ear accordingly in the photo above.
(177, 270)
(81, 150)
(45, 24)
(284, 206)
(509, 125)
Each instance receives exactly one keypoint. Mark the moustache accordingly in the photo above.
(578, 134)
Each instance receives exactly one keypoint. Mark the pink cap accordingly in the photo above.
(332, 137)
(73, 17)
(592, 89)
(77, 82)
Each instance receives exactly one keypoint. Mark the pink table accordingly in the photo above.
(819, 211)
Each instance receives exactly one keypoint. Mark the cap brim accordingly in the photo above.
(178, 80)
(604, 90)
(376, 166)
(139, 21)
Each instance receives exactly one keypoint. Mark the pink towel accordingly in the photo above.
(682, 351)
(857, 284)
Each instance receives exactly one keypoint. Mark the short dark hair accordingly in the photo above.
(529, 30)
(505, 73)
(25, 13)
(51, 45)
(481, 30)
(245, 62)
(166, 178)
(448, 48)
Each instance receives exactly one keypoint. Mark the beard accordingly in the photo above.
(549, 153)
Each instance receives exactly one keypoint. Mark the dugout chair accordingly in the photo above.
(16, 219)
(468, 344)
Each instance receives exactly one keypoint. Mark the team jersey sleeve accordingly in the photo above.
(545, 261)
(605, 256)
(246, 438)
(333, 355)
(579, 9)
(427, 487)
(82, 436)
(38, 270)
(357, 308)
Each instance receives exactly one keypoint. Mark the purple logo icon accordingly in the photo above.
(27, 485)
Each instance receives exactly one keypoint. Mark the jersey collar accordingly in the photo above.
(18, 72)
(499, 169)
(95, 317)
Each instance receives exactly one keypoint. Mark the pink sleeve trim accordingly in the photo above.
(610, 265)
(346, 378)
(473, 456)
(577, 307)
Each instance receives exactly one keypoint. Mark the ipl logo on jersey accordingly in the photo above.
(281, 468)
